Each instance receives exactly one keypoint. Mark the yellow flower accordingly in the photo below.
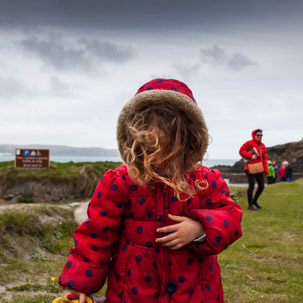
(53, 278)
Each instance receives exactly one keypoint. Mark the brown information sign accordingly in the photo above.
(32, 158)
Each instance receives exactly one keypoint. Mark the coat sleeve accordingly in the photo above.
(95, 239)
(244, 150)
(219, 215)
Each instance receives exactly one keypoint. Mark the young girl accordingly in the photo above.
(156, 224)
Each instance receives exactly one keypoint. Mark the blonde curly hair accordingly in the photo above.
(163, 145)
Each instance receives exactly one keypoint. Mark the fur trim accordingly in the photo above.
(141, 100)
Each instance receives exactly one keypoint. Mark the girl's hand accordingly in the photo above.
(180, 234)
(81, 295)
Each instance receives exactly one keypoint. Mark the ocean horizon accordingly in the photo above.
(76, 159)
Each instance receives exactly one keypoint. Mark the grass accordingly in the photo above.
(69, 169)
(79, 179)
(265, 265)
(34, 240)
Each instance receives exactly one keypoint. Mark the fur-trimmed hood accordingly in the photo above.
(165, 91)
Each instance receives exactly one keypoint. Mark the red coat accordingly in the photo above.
(261, 149)
(281, 172)
(118, 241)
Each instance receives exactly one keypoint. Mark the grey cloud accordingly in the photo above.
(59, 88)
(109, 51)
(186, 72)
(59, 56)
(84, 55)
(11, 88)
(237, 61)
(218, 56)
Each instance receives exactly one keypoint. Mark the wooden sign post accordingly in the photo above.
(32, 158)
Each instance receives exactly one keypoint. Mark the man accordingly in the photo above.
(254, 151)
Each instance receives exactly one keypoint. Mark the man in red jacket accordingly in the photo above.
(254, 151)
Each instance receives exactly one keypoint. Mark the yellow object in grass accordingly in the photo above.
(64, 299)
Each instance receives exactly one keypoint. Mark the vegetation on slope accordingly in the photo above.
(265, 265)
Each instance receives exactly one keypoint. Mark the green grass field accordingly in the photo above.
(265, 265)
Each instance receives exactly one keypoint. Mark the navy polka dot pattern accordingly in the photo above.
(133, 187)
(141, 201)
(208, 202)
(121, 231)
(103, 213)
(208, 287)
(218, 239)
(71, 283)
(134, 290)
(209, 218)
(89, 273)
(149, 244)
(159, 218)
(139, 258)
(114, 187)
(174, 199)
(181, 279)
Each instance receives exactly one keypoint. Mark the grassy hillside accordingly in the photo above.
(265, 265)
(68, 170)
(62, 181)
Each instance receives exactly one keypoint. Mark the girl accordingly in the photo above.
(156, 224)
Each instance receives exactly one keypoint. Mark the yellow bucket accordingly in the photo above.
(64, 299)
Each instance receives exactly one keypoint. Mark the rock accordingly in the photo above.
(74, 204)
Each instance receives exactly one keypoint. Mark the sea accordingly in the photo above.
(66, 159)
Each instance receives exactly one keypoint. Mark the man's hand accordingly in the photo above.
(254, 157)
(180, 234)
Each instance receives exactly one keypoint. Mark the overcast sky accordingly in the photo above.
(68, 66)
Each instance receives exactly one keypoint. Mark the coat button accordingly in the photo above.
(171, 287)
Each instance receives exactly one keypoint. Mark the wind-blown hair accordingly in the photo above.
(162, 146)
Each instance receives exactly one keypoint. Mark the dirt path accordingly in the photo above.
(81, 212)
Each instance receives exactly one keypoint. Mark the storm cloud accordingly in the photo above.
(147, 15)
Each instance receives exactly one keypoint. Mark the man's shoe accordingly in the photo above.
(257, 204)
